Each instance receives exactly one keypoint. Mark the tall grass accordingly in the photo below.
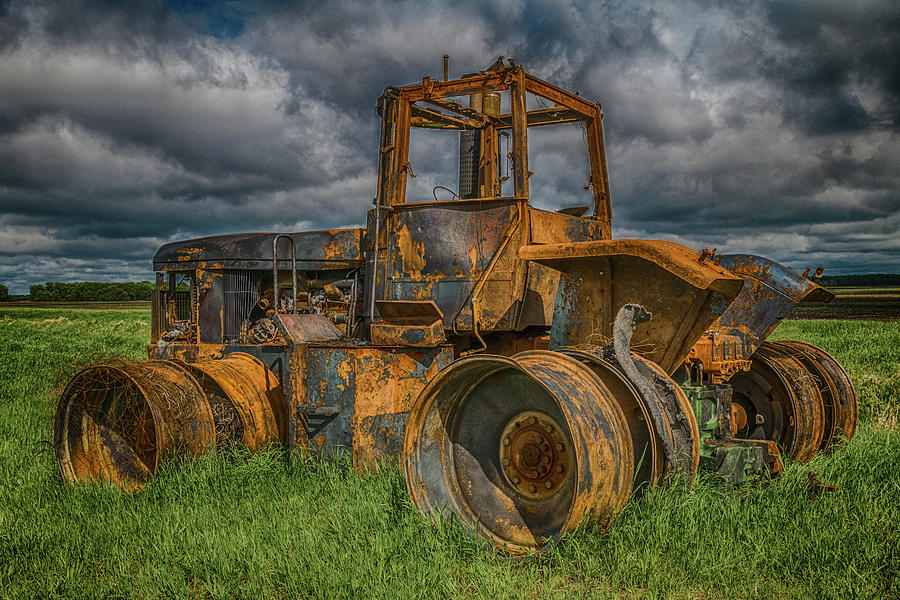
(869, 351)
(269, 525)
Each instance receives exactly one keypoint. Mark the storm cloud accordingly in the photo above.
(761, 127)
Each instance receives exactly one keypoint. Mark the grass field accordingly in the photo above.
(269, 526)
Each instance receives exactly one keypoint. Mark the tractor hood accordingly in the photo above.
(326, 249)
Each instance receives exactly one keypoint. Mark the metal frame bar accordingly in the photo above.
(275, 270)
(399, 112)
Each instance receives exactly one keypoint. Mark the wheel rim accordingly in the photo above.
(761, 402)
(116, 422)
(686, 429)
(844, 402)
(454, 449)
(824, 383)
(782, 403)
(649, 459)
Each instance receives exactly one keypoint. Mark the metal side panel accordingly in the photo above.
(374, 388)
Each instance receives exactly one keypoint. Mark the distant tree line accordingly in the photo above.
(91, 291)
(870, 280)
(98, 291)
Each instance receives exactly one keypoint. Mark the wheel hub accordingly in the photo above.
(535, 454)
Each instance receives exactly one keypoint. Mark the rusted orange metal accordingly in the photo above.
(484, 426)
(666, 278)
(838, 396)
(244, 385)
(117, 422)
(369, 391)
(720, 356)
(782, 402)
(408, 323)
(769, 293)
(650, 464)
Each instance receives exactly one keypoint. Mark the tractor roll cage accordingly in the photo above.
(424, 105)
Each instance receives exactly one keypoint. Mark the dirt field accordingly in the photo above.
(130, 304)
(858, 303)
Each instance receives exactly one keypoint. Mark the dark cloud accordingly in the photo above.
(769, 127)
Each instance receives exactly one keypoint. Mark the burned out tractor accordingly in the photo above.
(526, 369)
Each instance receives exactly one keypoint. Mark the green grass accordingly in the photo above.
(868, 350)
(266, 526)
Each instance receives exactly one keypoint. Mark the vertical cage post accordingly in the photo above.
(275, 270)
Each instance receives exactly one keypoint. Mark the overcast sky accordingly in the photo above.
(762, 127)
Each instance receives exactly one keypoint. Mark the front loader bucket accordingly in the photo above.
(770, 292)
(683, 290)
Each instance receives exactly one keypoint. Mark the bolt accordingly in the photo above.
(505, 462)
(506, 441)
(533, 420)
(540, 439)
(549, 484)
(546, 459)
(533, 488)
(559, 447)
(542, 469)
(533, 474)
(760, 419)
(559, 468)
(515, 480)
(549, 428)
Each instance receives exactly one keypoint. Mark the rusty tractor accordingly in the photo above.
(526, 369)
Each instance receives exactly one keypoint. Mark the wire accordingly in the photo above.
(442, 187)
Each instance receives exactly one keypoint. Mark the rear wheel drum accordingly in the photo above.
(116, 422)
(649, 458)
(782, 403)
(519, 449)
(246, 400)
(838, 394)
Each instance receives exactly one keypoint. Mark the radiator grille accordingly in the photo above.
(182, 305)
(241, 294)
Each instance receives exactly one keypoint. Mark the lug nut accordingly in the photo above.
(549, 484)
(559, 447)
(506, 441)
(534, 474)
(515, 480)
(549, 428)
(505, 462)
(546, 459)
(559, 468)
(542, 469)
